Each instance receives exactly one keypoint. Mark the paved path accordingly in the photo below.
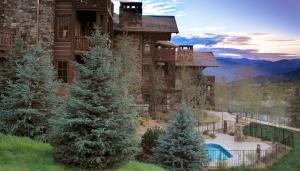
(231, 117)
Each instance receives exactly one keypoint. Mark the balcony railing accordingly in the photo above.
(82, 43)
(210, 79)
(166, 84)
(5, 40)
(166, 55)
(86, 3)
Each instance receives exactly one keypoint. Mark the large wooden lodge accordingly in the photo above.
(62, 27)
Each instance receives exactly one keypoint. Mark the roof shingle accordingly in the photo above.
(201, 59)
(150, 23)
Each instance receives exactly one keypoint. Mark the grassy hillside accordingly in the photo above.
(27, 155)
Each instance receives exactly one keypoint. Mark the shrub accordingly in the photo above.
(206, 132)
(212, 135)
(149, 139)
(231, 133)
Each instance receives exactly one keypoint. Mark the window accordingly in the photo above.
(147, 49)
(62, 71)
(63, 27)
(208, 89)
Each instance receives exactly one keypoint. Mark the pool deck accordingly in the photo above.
(240, 151)
(228, 143)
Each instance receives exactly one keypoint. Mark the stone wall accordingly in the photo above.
(21, 15)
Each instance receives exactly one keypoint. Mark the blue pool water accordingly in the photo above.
(217, 152)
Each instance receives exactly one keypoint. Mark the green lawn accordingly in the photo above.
(291, 162)
(24, 154)
(27, 155)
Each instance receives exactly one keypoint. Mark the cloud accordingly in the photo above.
(207, 41)
(237, 40)
(248, 53)
(243, 45)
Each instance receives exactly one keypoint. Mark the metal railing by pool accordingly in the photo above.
(246, 158)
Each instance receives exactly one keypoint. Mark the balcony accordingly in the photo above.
(82, 43)
(166, 55)
(210, 79)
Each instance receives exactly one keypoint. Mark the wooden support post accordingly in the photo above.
(37, 21)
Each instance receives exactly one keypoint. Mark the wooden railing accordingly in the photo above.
(82, 43)
(5, 40)
(147, 59)
(86, 3)
(166, 85)
(210, 79)
(166, 55)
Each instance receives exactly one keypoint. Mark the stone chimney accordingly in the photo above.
(185, 53)
(131, 14)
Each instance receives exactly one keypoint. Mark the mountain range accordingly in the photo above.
(232, 69)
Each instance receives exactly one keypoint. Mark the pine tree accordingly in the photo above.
(181, 148)
(294, 108)
(95, 128)
(8, 67)
(31, 97)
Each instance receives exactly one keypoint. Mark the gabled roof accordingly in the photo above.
(150, 23)
(201, 59)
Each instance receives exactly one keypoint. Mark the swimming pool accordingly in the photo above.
(217, 152)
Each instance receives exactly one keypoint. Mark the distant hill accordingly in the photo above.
(294, 75)
(263, 69)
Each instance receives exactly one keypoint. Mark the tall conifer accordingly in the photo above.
(181, 148)
(95, 128)
(30, 96)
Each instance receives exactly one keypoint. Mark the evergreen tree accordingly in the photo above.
(8, 67)
(95, 128)
(181, 148)
(294, 108)
(8, 71)
(31, 97)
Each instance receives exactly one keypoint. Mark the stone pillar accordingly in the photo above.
(238, 134)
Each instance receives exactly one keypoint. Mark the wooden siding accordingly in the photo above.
(5, 40)
(166, 55)
(1, 12)
(63, 47)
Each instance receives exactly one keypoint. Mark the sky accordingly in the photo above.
(255, 29)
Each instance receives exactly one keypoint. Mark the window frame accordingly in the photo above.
(62, 71)
(63, 20)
